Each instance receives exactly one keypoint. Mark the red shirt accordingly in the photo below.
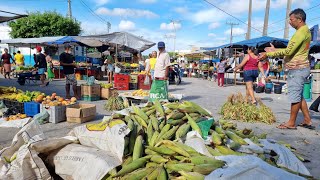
(252, 64)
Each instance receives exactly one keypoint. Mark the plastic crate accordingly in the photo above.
(31, 108)
(121, 78)
(144, 87)
(56, 113)
(121, 86)
(133, 79)
(133, 86)
(90, 98)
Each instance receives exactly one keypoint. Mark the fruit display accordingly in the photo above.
(204, 67)
(134, 65)
(15, 117)
(55, 100)
(154, 148)
(237, 108)
(11, 93)
(317, 66)
(106, 85)
(139, 92)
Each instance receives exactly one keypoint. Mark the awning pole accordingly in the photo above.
(30, 54)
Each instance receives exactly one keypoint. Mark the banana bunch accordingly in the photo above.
(154, 150)
(134, 65)
(140, 92)
(5, 89)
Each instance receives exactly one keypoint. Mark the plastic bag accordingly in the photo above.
(90, 80)
(146, 80)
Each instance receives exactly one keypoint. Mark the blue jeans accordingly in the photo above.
(250, 75)
(152, 74)
(181, 72)
(296, 80)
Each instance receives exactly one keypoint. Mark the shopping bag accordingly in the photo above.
(159, 90)
(146, 80)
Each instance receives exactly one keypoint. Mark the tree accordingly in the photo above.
(44, 24)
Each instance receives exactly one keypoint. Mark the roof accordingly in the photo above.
(10, 18)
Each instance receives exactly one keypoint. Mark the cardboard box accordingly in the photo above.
(81, 113)
(93, 90)
(106, 93)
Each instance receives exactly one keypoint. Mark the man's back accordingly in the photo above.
(163, 60)
(68, 59)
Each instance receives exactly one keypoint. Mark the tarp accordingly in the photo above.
(77, 40)
(315, 47)
(27, 41)
(262, 41)
(125, 40)
(6, 18)
(207, 61)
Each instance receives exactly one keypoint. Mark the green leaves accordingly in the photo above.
(49, 23)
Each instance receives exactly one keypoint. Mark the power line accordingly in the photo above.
(95, 14)
(232, 15)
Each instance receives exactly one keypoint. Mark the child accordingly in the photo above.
(49, 67)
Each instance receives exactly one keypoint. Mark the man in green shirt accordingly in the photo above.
(297, 63)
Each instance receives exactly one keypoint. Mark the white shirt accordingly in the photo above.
(163, 61)
(147, 64)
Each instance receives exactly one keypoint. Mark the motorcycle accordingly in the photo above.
(174, 74)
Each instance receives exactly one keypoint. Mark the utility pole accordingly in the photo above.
(286, 28)
(266, 19)
(248, 35)
(109, 26)
(175, 34)
(231, 24)
(69, 9)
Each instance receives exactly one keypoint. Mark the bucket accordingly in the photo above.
(259, 89)
(269, 86)
(277, 89)
(268, 91)
(254, 87)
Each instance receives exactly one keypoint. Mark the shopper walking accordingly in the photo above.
(41, 64)
(19, 59)
(296, 61)
(67, 61)
(250, 66)
(5, 58)
(221, 66)
(110, 64)
(50, 74)
(153, 61)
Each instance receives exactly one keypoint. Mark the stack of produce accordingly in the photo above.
(127, 65)
(154, 150)
(134, 65)
(204, 67)
(15, 117)
(55, 100)
(237, 108)
(115, 102)
(11, 93)
(140, 92)
(106, 85)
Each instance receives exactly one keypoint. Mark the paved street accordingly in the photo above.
(212, 97)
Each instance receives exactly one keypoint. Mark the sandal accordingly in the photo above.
(307, 126)
(284, 126)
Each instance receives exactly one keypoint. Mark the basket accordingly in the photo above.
(31, 108)
(268, 91)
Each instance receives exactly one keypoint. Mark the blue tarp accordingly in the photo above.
(315, 47)
(256, 42)
(65, 39)
(207, 61)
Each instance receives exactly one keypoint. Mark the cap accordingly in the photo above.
(67, 46)
(161, 44)
(38, 48)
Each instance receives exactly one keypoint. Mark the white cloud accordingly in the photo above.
(126, 25)
(181, 10)
(91, 28)
(235, 31)
(214, 25)
(4, 32)
(171, 26)
(101, 2)
(212, 35)
(148, 1)
(135, 13)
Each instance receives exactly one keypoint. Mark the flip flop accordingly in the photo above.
(284, 126)
(307, 126)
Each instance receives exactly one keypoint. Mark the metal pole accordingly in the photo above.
(248, 35)
(266, 19)
(69, 9)
(286, 29)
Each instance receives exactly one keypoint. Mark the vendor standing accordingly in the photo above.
(68, 64)
(19, 58)
(5, 58)
(159, 89)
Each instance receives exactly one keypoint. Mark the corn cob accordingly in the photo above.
(180, 167)
(226, 151)
(136, 164)
(149, 132)
(175, 122)
(150, 152)
(154, 122)
(197, 160)
(162, 124)
(234, 145)
(219, 130)
(154, 174)
(154, 138)
(172, 105)
(137, 151)
(127, 161)
(165, 129)
(163, 174)
(158, 159)
(140, 121)
(113, 172)
(132, 140)
(126, 145)
(193, 124)
(182, 130)
(198, 108)
(193, 115)
(169, 134)
(213, 152)
(236, 138)
(192, 175)
(204, 169)
(150, 112)
(216, 139)
(152, 164)
(162, 150)
(171, 145)
(187, 148)
(138, 174)
(140, 113)
(159, 108)
(167, 111)
(177, 115)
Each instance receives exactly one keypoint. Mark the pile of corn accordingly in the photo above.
(154, 147)
(237, 108)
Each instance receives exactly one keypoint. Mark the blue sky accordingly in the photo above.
(197, 23)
